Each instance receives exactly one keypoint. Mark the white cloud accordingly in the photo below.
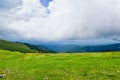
(67, 19)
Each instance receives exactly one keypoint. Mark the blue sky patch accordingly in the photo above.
(45, 2)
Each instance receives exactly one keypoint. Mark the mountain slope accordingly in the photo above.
(13, 46)
(38, 48)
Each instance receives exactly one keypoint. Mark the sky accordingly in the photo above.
(53, 20)
(45, 2)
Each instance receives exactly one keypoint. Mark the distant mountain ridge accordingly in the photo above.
(58, 47)
(84, 46)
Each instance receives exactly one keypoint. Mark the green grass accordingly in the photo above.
(12, 46)
(88, 66)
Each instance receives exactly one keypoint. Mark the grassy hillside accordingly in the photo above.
(22, 47)
(12, 46)
(94, 66)
(40, 49)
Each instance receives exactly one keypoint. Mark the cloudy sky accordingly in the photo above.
(53, 20)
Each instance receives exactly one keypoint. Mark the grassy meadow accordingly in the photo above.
(79, 66)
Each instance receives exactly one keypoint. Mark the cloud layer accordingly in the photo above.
(62, 19)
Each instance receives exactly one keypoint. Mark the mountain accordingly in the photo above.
(84, 46)
(21, 47)
(39, 48)
(63, 46)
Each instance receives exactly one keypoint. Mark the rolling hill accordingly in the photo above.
(21, 47)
